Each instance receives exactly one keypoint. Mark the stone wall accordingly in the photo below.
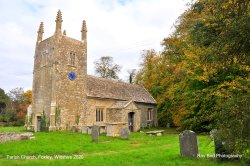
(7, 123)
(92, 104)
(15, 136)
(144, 108)
(114, 115)
(120, 115)
(70, 95)
(42, 78)
(51, 86)
(113, 129)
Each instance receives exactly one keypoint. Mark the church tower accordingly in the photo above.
(59, 79)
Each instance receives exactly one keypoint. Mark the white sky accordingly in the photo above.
(117, 28)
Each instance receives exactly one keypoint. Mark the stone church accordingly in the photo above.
(65, 97)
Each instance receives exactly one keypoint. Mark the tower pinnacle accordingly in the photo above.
(59, 22)
(40, 33)
(84, 30)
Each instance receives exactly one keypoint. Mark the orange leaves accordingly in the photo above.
(27, 96)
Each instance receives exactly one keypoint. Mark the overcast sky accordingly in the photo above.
(117, 28)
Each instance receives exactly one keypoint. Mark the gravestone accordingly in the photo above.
(124, 133)
(219, 147)
(95, 133)
(188, 144)
(74, 129)
(84, 130)
(109, 130)
(89, 130)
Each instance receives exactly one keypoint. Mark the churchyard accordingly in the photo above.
(71, 148)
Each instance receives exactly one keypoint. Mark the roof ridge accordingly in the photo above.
(115, 81)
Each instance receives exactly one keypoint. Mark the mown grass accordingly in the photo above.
(140, 149)
(10, 129)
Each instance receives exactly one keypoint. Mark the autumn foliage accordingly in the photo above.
(201, 78)
(16, 104)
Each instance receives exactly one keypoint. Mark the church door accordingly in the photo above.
(131, 121)
(39, 122)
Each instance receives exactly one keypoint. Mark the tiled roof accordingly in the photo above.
(113, 89)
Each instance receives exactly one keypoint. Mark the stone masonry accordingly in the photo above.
(64, 96)
(55, 58)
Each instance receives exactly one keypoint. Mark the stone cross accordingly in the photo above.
(124, 133)
(188, 144)
(95, 133)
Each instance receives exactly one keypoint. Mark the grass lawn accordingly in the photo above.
(140, 149)
(7, 129)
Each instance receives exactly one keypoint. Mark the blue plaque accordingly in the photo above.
(72, 76)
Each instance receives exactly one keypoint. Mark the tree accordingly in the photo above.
(15, 108)
(106, 69)
(217, 47)
(27, 97)
(201, 78)
(4, 99)
(25, 101)
(147, 76)
(16, 94)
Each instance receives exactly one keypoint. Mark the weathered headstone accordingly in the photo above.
(219, 146)
(74, 129)
(84, 130)
(95, 133)
(124, 133)
(89, 130)
(188, 144)
(109, 130)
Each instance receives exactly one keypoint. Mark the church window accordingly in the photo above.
(72, 58)
(149, 114)
(99, 114)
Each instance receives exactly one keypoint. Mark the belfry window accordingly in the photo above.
(72, 58)
(99, 114)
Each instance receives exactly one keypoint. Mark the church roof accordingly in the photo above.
(113, 89)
